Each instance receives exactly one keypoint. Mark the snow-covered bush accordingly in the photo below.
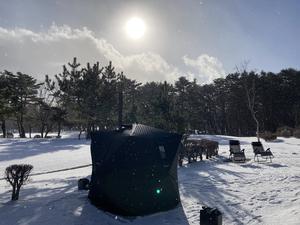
(9, 135)
(296, 132)
(268, 136)
(17, 175)
(285, 131)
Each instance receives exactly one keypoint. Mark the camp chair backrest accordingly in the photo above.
(234, 142)
(257, 147)
(234, 146)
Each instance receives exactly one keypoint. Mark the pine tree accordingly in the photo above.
(23, 89)
(5, 109)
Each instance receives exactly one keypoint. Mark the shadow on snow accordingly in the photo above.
(66, 205)
(208, 183)
(12, 149)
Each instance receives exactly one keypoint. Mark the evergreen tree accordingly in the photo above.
(23, 90)
(5, 109)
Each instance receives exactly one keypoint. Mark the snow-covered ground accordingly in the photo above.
(246, 193)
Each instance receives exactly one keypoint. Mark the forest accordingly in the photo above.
(92, 97)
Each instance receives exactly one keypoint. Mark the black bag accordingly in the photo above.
(210, 216)
(83, 184)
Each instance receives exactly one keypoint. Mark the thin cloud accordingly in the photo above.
(40, 53)
(207, 68)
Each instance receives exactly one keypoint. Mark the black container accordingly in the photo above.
(210, 216)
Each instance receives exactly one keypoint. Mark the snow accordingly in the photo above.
(246, 193)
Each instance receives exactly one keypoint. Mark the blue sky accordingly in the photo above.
(199, 39)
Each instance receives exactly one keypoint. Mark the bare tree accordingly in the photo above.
(251, 97)
(249, 85)
(17, 175)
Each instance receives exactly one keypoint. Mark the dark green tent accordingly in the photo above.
(134, 170)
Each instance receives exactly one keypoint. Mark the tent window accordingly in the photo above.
(162, 151)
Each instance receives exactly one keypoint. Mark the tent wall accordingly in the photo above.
(134, 170)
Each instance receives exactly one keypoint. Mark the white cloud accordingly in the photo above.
(207, 67)
(45, 52)
(40, 53)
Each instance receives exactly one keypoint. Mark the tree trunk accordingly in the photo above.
(42, 130)
(13, 194)
(23, 135)
(29, 131)
(251, 105)
(58, 128)
(297, 114)
(17, 192)
(88, 132)
(21, 128)
(257, 127)
(239, 131)
(48, 129)
(120, 109)
(18, 125)
(3, 127)
(80, 132)
(47, 132)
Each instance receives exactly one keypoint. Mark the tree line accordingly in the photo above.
(92, 97)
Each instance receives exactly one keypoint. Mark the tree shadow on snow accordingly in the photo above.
(213, 186)
(276, 165)
(21, 148)
(252, 166)
(64, 204)
(278, 140)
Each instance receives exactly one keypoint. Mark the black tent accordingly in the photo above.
(134, 170)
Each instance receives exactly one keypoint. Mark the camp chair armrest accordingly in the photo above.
(268, 150)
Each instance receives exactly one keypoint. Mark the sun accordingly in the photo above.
(135, 28)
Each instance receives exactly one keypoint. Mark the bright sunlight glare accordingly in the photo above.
(135, 28)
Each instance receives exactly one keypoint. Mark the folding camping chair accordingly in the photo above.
(236, 154)
(259, 151)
